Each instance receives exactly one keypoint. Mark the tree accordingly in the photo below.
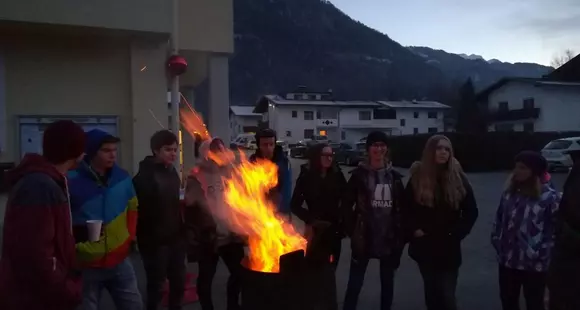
(470, 118)
(560, 59)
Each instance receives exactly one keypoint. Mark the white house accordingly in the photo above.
(527, 104)
(243, 120)
(297, 116)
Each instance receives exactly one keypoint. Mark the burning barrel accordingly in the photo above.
(304, 282)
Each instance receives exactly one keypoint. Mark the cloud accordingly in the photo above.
(552, 20)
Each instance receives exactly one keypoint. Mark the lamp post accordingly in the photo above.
(175, 79)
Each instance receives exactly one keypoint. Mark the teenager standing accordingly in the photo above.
(442, 210)
(319, 185)
(372, 216)
(160, 228)
(523, 233)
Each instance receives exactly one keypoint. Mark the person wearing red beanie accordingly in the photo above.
(38, 250)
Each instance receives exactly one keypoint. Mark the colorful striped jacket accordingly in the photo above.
(112, 200)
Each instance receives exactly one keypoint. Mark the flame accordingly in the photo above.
(249, 211)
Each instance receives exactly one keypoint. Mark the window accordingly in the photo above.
(364, 115)
(322, 133)
(416, 114)
(343, 135)
(432, 115)
(402, 121)
(432, 130)
(384, 114)
(308, 115)
(294, 114)
(502, 106)
(558, 145)
(415, 131)
(288, 133)
(529, 127)
(529, 103)
(318, 114)
(308, 133)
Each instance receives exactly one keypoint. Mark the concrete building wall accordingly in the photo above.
(87, 76)
(136, 15)
(238, 122)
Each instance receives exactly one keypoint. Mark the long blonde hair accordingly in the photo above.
(531, 188)
(424, 176)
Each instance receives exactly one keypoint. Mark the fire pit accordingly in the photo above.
(304, 282)
(301, 284)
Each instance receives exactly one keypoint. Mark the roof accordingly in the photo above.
(262, 104)
(239, 110)
(415, 104)
(534, 81)
(569, 71)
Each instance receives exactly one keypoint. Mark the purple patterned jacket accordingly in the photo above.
(523, 231)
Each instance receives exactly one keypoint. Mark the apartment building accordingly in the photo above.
(103, 65)
(296, 116)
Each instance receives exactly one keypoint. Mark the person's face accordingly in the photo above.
(267, 147)
(521, 172)
(326, 157)
(106, 156)
(167, 154)
(442, 152)
(377, 150)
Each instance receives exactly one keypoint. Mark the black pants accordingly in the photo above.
(358, 268)
(511, 282)
(232, 255)
(439, 287)
(164, 262)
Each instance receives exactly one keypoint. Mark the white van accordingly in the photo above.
(556, 152)
(246, 141)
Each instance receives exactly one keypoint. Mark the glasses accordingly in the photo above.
(329, 155)
(379, 145)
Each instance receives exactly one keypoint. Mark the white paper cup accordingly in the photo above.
(94, 227)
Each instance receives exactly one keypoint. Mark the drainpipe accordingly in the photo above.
(175, 81)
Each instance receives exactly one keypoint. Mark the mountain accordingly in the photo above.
(459, 67)
(280, 44)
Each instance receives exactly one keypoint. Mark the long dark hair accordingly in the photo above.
(314, 153)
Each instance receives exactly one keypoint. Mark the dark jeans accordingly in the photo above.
(164, 262)
(511, 282)
(358, 268)
(232, 255)
(439, 287)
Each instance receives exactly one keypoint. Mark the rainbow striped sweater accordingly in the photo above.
(111, 199)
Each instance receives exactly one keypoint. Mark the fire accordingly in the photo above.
(250, 213)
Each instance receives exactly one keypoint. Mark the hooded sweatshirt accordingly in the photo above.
(206, 207)
(110, 198)
(38, 254)
(157, 187)
(374, 223)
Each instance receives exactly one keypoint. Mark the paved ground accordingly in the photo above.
(477, 288)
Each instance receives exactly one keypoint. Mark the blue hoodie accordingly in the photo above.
(282, 194)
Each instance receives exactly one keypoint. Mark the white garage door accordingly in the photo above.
(32, 128)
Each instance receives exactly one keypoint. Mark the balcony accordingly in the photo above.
(514, 115)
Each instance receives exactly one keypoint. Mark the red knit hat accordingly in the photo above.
(63, 140)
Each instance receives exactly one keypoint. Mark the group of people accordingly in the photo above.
(50, 261)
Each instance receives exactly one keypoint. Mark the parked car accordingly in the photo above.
(285, 147)
(557, 153)
(349, 154)
(246, 141)
(299, 150)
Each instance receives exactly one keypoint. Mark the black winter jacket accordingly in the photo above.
(444, 228)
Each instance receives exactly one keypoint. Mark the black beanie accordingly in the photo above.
(533, 160)
(376, 136)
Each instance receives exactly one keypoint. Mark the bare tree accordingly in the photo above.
(562, 58)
